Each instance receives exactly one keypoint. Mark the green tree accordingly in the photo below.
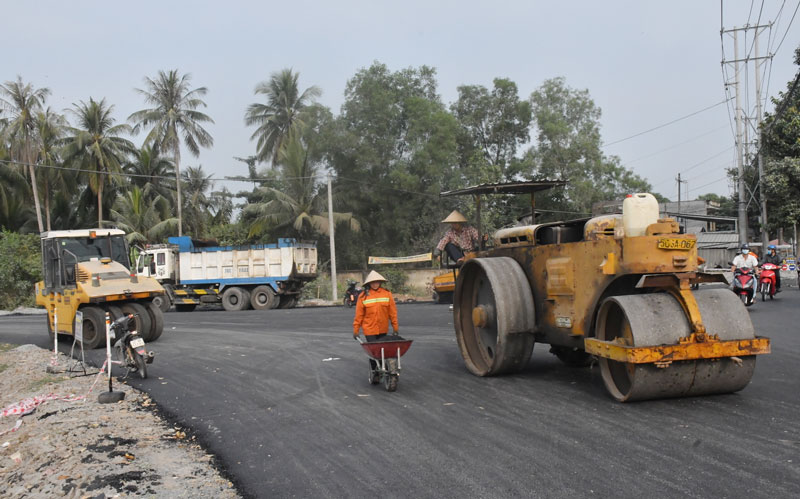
(197, 184)
(139, 213)
(282, 116)
(50, 129)
(95, 146)
(149, 171)
(393, 149)
(568, 141)
(493, 125)
(300, 208)
(21, 102)
(20, 269)
(174, 114)
(781, 134)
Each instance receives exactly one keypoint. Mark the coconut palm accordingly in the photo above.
(174, 114)
(50, 128)
(96, 147)
(139, 214)
(151, 172)
(299, 206)
(20, 102)
(282, 116)
(198, 205)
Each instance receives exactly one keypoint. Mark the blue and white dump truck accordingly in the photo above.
(259, 276)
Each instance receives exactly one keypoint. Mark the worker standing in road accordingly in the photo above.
(375, 309)
(459, 239)
(772, 257)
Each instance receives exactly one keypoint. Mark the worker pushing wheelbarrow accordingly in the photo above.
(375, 309)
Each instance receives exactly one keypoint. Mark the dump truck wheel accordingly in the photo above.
(288, 301)
(262, 297)
(493, 312)
(658, 319)
(162, 302)
(156, 320)
(141, 319)
(235, 299)
(94, 327)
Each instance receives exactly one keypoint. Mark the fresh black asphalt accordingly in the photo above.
(282, 398)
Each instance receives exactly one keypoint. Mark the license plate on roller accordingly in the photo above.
(675, 243)
(136, 343)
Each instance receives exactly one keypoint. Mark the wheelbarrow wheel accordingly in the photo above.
(390, 378)
(374, 375)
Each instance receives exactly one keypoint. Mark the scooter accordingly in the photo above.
(744, 285)
(129, 347)
(352, 293)
(767, 281)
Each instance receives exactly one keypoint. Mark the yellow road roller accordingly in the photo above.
(615, 288)
(89, 271)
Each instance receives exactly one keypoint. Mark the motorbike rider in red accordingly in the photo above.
(772, 257)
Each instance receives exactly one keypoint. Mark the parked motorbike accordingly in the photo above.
(744, 285)
(129, 347)
(767, 281)
(352, 293)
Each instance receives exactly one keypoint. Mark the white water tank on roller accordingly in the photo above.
(638, 211)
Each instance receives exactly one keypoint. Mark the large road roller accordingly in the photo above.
(89, 271)
(616, 289)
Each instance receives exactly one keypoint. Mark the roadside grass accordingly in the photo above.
(5, 347)
(46, 380)
(3, 367)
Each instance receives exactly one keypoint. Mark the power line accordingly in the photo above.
(666, 124)
(675, 145)
(787, 28)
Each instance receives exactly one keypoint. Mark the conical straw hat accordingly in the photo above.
(374, 276)
(454, 217)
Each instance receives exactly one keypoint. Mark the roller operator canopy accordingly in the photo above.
(521, 187)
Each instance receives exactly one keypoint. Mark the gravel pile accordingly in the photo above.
(83, 449)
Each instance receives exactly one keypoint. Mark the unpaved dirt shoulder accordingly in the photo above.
(86, 449)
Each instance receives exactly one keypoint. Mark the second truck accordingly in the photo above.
(259, 276)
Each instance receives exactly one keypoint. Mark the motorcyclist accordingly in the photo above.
(772, 257)
(746, 259)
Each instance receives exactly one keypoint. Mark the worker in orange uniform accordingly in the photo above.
(375, 309)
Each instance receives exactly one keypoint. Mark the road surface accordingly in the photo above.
(282, 398)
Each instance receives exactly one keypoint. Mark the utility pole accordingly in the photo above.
(739, 145)
(759, 144)
(334, 294)
(679, 195)
(741, 118)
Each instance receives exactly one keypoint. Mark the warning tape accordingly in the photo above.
(29, 405)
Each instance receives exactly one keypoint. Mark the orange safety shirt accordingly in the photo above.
(374, 311)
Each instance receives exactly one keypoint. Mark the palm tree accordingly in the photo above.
(282, 116)
(198, 204)
(140, 216)
(21, 102)
(96, 147)
(50, 128)
(149, 171)
(299, 206)
(174, 114)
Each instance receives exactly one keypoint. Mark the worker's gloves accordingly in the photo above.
(355, 337)
(437, 252)
(396, 332)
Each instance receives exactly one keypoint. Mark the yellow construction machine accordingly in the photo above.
(615, 288)
(89, 271)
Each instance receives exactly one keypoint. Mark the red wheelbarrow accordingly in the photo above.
(386, 360)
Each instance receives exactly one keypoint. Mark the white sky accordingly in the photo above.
(644, 63)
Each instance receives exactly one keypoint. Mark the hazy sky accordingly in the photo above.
(643, 63)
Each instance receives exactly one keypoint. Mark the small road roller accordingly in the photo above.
(617, 289)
